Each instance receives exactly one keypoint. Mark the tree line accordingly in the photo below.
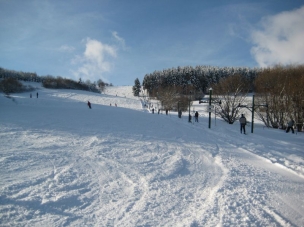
(9, 82)
(279, 90)
(176, 87)
(199, 77)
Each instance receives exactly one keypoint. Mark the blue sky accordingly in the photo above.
(121, 40)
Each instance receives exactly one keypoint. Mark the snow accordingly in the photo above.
(63, 164)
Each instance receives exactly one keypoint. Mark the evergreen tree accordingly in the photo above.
(136, 87)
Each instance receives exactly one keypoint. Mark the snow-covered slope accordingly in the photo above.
(63, 164)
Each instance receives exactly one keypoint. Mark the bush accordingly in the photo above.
(11, 85)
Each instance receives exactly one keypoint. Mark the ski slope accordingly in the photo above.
(63, 164)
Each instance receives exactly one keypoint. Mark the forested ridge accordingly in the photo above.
(200, 77)
(47, 81)
(19, 75)
(279, 90)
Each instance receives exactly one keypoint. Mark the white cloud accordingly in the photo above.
(280, 39)
(95, 60)
(120, 40)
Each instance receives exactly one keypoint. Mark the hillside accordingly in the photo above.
(63, 164)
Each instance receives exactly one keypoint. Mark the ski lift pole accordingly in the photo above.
(252, 109)
(210, 107)
(214, 116)
(252, 115)
(210, 94)
(189, 117)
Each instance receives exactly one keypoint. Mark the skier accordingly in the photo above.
(290, 126)
(153, 110)
(37, 95)
(243, 123)
(89, 104)
(196, 116)
(179, 113)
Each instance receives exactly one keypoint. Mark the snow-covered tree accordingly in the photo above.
(136, 87)
(201, 77)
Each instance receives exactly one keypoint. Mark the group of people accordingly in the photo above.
(243, 120)
(153, 110)
(89, 104)
(195, 117)
(180, 114)
(36, 95)
(243, 123)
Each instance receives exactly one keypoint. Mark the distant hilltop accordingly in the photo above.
(10, 80)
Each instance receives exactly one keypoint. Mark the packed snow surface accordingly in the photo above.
(63, 164)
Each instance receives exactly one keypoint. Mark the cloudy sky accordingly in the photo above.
(121, 40)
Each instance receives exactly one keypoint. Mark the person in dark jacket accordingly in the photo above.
(179, 113)
(196, 116)
(89, 104)
(243, 123)
(290, 126)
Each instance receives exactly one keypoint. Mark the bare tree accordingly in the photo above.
(231, 91)
(172, 98)
(282, 89)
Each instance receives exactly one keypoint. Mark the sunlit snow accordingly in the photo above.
(63, 164)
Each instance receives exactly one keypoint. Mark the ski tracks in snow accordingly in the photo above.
(172, 182)
(248, 196)
(137, 181)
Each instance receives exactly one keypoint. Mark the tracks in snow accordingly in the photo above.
(172, 181)
(247, 194)
(138, 181)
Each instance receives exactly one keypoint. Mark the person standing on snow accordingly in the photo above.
(89, 104)
(243, 123)
(290, 126)
(179, 113)
(196, 116)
